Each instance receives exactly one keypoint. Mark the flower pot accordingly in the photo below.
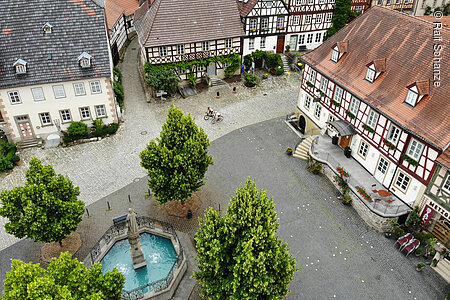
(348, 152)
(388, 235)
(334, 140)
(18, 163)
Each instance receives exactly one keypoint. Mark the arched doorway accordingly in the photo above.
(302, 124)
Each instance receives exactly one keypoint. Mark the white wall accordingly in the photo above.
(271, 44)
(118, 33)
(311, 45)
(52, 105)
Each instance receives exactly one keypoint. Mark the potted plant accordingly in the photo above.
(289, 151)
(348, 152)
(434, 262)
(419, 252)
(288, 48)
(420, 266)
(346, 200)
(334, 140)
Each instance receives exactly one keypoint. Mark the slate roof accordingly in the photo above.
(78, 26)
(185, 21)
(407, 44)
(115, 8)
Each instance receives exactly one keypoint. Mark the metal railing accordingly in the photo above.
(381, 208)
(143, 223)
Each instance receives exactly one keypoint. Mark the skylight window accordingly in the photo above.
(85, 60)
(21, 66)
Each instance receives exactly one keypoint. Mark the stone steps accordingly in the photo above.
(302, 150)
(215, 81)
(29, 143)
(285, 63)
(443, 269)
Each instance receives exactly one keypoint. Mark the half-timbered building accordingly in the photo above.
(405, 6)
(120, 22)
(265, 23)
(178, 31)
(378, 77)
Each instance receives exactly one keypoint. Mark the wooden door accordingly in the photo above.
(345, 141)
(26, 131)
(280, 44)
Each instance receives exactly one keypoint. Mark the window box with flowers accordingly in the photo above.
(308, 83)
(314, 166)
(368, 128)
(265, 29)
(342, 172)
(280, 28)
(409, 160)
(254, 30)
(364, 194)
(335, 103)
(350, 114)
(389, 144)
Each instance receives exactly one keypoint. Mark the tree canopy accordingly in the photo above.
(46, 209)
(161, 78)
(239, 255)
(342, 14)
(178, 160)
(65, 278)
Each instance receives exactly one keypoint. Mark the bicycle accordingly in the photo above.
(217, 118)
(209, 114)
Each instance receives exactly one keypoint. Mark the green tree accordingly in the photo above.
(414, 222)
(46, 209)
(239, 255)
(161, 78)
(177, 161)
(342, 15)
(65, 278)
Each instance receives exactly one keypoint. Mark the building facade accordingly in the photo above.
(62, 73)
(265, 24)
(405, 6)
(399, 116)
(197, 32)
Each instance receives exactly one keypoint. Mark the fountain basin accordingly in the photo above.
(166, 263)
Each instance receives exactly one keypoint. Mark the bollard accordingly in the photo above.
(87, 211)
(218, 95)
(129, 198)
(189, 214)
(109, 207)
(219, 207)
(234, 90)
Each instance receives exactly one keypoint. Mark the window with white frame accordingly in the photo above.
(411, 97)
(310, 1)
(280, 22)
(201, 68)
(363, 149)
(372, 119)
(312, 76)
(335, 55)
(318, 37)
(388, 2)
(321, 1)
(38, 94)
(308, 19)
(79, 89)
(358, 9)
(329, 17)
(45, 118)
(253, 24)
(265, 23)
(415, 149)
(301, 39)
(402, 181)
(393, 134)
(380, 2)
(14, 97)
(85, 113)
(296, 20)
(181, 71)
(85, 63)
(205, 45)
(100, 110)
(21, 69)
(332, 1)
(323, 84)
(299, 2)
(162, 51)
(423, 4)
(338, 94)
(59, 92)
(262, 42)
(310, 38)
(370, 75)
(65, 115)
(251, 43)
(228, 43)
(180, 49)
(269, 4)
(446, 185)
(319, 18)
(317, 110)
(95, 87)
(307, 102)
(354, 106)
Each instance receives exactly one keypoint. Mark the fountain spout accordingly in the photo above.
(134, 239)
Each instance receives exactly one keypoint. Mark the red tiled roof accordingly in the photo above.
(444, 158)
(141, 10)
(380, 65)
(181, 21)
(115, 8)
(445, 20)
(407, 44)
(245, 8)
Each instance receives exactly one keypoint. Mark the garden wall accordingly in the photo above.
(374, 220)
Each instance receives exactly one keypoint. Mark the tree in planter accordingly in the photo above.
(342, 15)
(239, 254)
(46, 209)
(161, 78)
(414, 222)
(177, 161)
(64, 278)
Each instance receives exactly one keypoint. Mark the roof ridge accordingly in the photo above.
(153, 21)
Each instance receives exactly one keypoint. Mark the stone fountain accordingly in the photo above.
(137, 256)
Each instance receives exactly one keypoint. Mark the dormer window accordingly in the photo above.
(338, 50)
(21, 66)
(416, 92)
(84, 60)
(374, 69)
(47, 28)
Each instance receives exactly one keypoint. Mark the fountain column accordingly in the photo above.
(134, 239)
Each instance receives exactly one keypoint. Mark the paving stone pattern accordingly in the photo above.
(100, 168)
